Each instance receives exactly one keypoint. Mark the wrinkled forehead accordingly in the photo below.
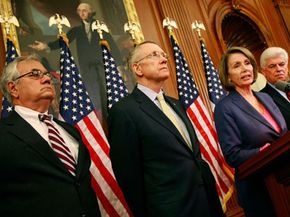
(149, 48)
(28, 65)
(276, 59)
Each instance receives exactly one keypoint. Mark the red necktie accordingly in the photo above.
(288, 95)
(58, 144)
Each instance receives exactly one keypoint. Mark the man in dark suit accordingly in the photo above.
(274, 65)
(89, 54)
(157, 163)
(37, 179)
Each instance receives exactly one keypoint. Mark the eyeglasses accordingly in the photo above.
(154, 54)
(35, 74)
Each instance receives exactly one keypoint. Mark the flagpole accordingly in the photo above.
(77, 109)
(11, 53)
(199, 116)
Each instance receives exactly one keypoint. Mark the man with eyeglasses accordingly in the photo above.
(155, 156)
(274, 66)
(44, 164)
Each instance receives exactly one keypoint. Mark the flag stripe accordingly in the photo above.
(110, 210)
(203, 124)
(101, 160)
(77, 109)
(209, 155)
(212, 135)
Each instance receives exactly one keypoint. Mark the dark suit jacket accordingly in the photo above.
(280, 101)
(89, 52)
(34, 182)
(158, 173)
(90, 60)
(242, 131)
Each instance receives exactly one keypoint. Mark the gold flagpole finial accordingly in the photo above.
(100, 26)
(132, 28)
(198, 26)
(59, 21)
(170, 24)
(8, 21)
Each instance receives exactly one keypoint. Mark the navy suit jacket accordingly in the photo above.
(280, 101)
(242, 130)
(34, 182)
(159, 174)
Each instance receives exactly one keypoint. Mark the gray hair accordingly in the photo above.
(272, 52)
(10, 73)
(87, 6)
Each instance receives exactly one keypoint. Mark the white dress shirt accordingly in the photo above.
(31, 117)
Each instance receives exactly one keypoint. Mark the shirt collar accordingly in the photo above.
(148, 92)
(27, 112)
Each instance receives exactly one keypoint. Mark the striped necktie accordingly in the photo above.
(167, 111)
(58, 144)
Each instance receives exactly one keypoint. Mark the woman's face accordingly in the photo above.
(240, 70)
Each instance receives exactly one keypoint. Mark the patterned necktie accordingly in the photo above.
(58, 144)
(167, 111)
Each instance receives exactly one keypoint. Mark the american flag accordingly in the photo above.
(215, 89)
(116, 88)
(11, 54)
(203, 125)
(77, 109)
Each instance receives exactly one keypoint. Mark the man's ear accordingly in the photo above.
(137, 69)
(12, 88)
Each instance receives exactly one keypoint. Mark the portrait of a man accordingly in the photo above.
(35, 35)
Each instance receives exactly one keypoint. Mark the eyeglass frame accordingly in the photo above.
(32, 74)
(154, 54)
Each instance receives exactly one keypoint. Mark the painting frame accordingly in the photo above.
(7, 10)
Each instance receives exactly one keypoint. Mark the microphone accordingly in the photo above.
(283, 86)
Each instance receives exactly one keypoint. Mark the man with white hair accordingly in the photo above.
(89, 54)
(274, 66)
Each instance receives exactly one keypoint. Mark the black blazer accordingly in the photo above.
(158, 173)
(34, 182)
(280, 101)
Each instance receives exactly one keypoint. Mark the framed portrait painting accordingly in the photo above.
(34, 35)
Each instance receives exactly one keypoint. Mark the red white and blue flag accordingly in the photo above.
(11, 54)
(116, 88)
(215, 89)
(203, 125)
(77, 109)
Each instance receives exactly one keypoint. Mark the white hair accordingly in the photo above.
(87, 6)
(272, 52)
(10, 73)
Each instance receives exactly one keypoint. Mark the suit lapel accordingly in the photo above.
(179, 110)
(240, 102)
(271, 110)
(155, 113)
(277, 97)
(31, 137)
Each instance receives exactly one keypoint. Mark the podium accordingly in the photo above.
(273, 164)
